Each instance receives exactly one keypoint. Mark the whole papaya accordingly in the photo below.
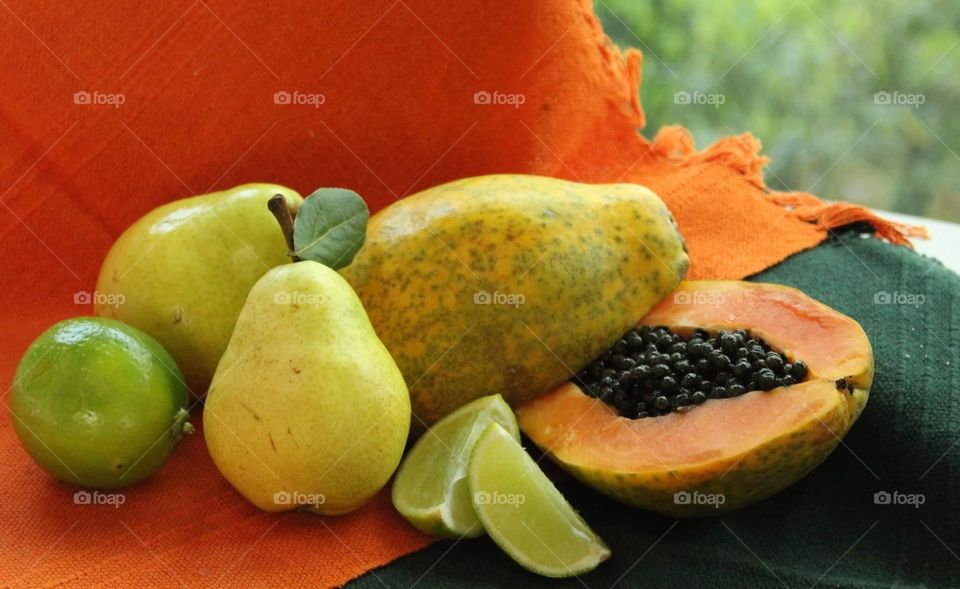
(511, 283)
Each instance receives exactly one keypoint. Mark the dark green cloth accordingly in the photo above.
(826, 530)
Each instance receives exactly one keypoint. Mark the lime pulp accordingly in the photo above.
(430, 489)
(524, 512)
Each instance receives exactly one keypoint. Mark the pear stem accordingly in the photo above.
(278, 206)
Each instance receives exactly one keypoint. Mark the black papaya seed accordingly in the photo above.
(660, 370)
(652, 371)
(683, 367)
(775, 362)
(799, 370)
(704, 366)
(767, 380)
(742, 367)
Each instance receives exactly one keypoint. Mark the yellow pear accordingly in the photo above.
(307, 409)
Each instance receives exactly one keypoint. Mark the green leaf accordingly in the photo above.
(330, 227)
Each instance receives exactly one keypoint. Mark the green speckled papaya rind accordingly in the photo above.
(509, 284)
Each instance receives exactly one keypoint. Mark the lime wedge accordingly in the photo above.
(525, 514)
(430, 489)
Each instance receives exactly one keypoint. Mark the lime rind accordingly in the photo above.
(430, 489)
(541, 532)
(93, 401)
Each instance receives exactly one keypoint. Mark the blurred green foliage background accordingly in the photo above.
(804, 77)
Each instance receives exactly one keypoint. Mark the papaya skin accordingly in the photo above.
(511, 283)
(743, 449)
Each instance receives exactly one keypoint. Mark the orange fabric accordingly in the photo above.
(831, 215)
(399, 112)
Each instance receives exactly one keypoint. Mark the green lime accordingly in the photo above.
(98, 403)
(430, 489)
(525, 514)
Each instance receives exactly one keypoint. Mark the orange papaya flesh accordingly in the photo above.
(726, 453)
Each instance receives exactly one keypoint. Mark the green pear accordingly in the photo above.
(307, 409)
(182, 272)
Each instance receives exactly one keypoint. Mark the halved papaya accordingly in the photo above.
(725, 453)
